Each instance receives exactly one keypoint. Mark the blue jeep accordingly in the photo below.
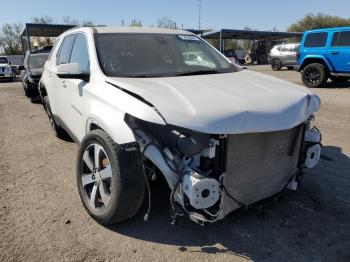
(323, 54)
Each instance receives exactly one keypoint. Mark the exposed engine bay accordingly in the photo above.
(211, 175)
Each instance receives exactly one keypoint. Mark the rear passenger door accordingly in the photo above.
(339, 52)
(289, 54)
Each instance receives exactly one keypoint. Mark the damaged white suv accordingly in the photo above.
(140, 106)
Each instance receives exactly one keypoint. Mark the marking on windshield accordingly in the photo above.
(188, 37)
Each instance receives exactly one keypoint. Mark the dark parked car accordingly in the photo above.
(31, 73)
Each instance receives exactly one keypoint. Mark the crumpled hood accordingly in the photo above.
(232, 103)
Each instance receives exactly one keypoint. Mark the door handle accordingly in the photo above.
(335, 53)
(64, 83)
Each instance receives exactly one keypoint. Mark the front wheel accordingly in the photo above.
(314, 75)
(110, 180)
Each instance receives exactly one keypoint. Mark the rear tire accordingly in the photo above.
(57, 130)
(314, 75)
(276, 65)
(111, 186)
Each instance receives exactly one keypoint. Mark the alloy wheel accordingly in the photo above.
(312, 75)
(96, 177)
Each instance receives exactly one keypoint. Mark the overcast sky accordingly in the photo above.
(257, 14)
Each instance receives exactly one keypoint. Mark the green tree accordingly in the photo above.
(10, 38)
(316, 21)
(166, 22)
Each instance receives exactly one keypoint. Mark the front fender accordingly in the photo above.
(106, 107)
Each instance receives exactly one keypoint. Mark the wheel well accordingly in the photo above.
(311, 61)
(94, 126)
(43, 91)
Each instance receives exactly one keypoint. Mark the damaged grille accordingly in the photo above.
(259, 165)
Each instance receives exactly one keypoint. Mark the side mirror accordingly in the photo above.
(72, 71)
(9, 62)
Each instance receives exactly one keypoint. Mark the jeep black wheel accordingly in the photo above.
(57, 130)
(110, 180)
(276, 65)
(339, 79)
(314, 75)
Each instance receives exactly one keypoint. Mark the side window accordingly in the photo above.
(316, 40)
(80, 54)
(287, 48)
(53, 49)
(65, 50)
(296, 48)
(341, 39)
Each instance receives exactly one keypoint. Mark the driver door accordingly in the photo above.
(71, 91)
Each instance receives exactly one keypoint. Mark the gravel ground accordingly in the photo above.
(42, 218)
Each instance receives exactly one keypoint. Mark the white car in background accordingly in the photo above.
(221, 136)
(6, 71)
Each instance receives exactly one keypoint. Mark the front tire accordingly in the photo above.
(110, 181)
(314, 75)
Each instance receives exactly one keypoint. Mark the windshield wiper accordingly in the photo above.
(200, 72)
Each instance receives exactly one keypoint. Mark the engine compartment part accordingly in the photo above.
(313, 155)
(312, 136)
(202, 192)
(211, 175)
(259, 165)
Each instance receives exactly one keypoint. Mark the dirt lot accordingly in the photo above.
(42, 218)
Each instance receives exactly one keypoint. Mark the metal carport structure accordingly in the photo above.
(223, 34)
(41, 30)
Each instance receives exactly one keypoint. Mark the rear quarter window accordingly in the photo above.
(316, 39)
(341, 38)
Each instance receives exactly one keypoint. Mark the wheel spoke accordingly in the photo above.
(106, 172)
(88, 161)
(103, 193)
(93, 196)
(97, 150)
(86, 179)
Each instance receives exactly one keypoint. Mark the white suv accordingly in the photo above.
(140, 108)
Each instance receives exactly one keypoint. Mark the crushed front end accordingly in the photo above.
(211, 175)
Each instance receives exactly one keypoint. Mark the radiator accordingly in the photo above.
(259, 165)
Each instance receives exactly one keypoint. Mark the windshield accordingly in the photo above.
(3, 60)
(155, 55)
(37, 60)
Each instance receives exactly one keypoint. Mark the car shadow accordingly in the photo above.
(308, 224)
(331, 84)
